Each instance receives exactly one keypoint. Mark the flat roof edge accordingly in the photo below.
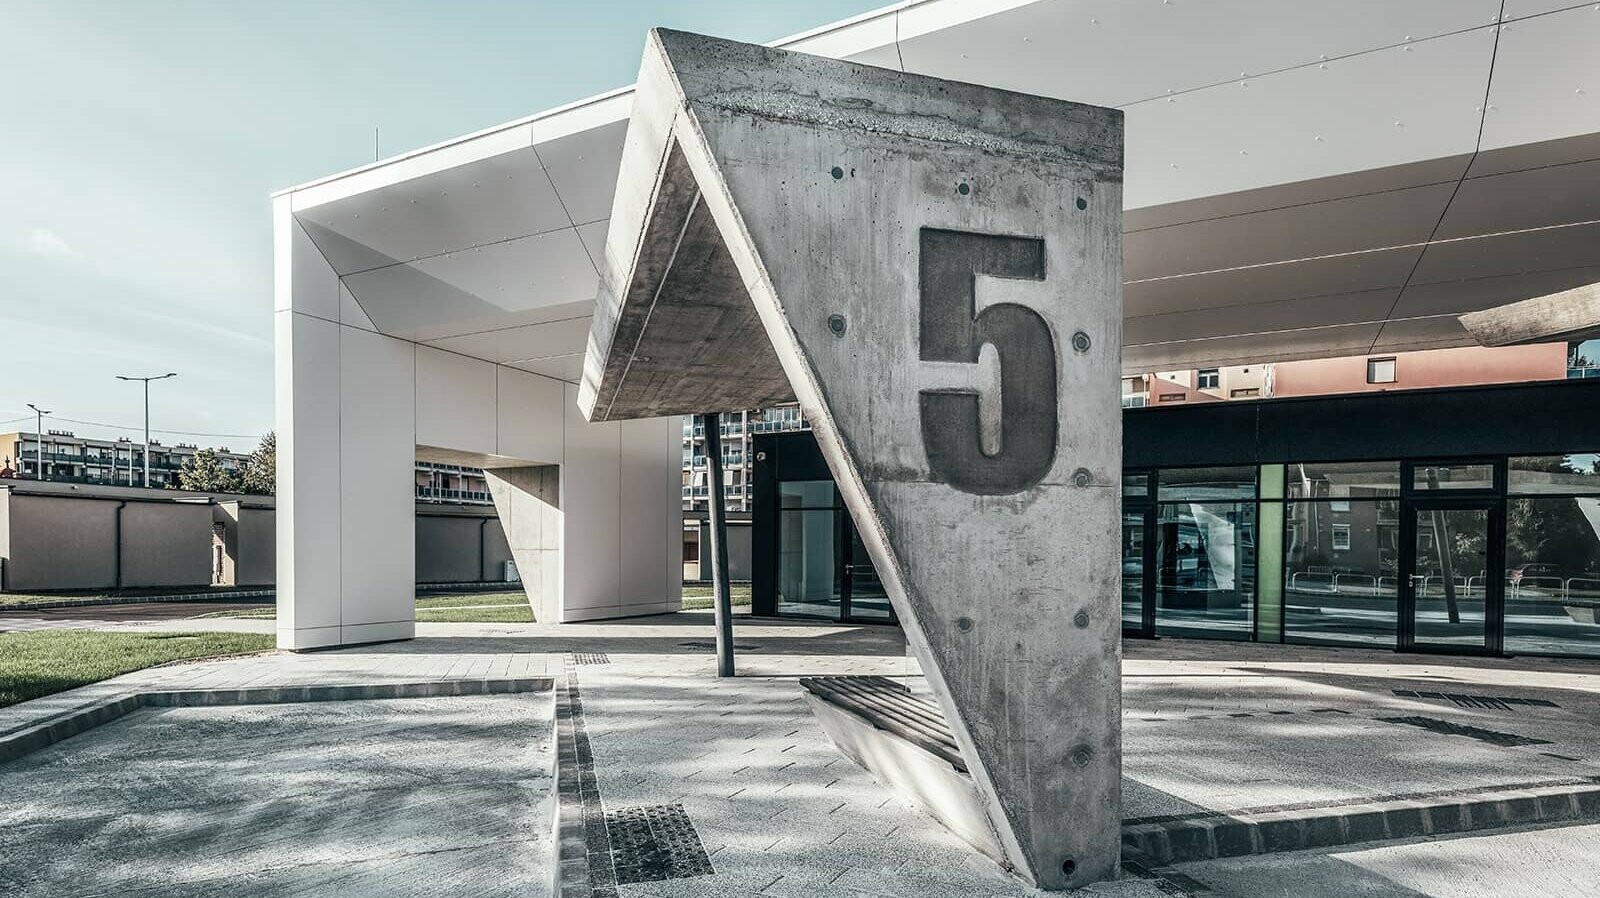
(567, 108)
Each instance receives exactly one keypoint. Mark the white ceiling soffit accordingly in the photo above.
(1280, 189)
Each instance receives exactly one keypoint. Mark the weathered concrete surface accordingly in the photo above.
(528, 501)
(404, 797)
(1569, 315)
(936, 267)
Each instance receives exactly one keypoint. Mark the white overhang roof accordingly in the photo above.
(1303, 179)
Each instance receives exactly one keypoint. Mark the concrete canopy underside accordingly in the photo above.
(1304, 179)
(881, 243)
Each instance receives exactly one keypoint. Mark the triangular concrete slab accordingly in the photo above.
(932, 269)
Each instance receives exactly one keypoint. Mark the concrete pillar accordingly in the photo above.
(528, 500)
(345, 454)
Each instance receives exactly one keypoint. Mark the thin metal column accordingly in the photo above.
(716, 504)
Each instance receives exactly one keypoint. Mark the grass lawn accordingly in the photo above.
(468, 607)
(46, 661)
(696, 597)
(23, 598)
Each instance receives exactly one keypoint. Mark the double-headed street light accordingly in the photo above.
(38, 439)
(146, 381)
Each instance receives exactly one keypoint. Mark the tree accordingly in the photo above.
(204, 473)
(260, 473)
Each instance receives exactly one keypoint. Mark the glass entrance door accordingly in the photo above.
(864, 595)
(1452, 594)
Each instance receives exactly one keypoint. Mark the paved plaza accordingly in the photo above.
(729, 787)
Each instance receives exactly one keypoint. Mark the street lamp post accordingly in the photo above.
(146, 382)
(38, 439)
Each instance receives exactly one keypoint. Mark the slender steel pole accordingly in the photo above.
(147, 434)
(38, 440)
(146, 381)
(722, 604)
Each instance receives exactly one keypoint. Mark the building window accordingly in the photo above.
(1171, 397)
(1583, 359)
(1244, 392)
(1341, 537)
(1380, 371)
(1208, 379)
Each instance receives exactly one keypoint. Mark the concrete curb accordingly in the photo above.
(571, 868)
(65, 726)
(229, 596)
(1207, 838)
(234, 595)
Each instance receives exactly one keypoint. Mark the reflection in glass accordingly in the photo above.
(1343, 480)
(1135, 486)
(1340, 565)
(805, 494)
(1133, 572)
(807, 563)
(1553, 576)
(1575, 473)
(1214, 484)
(1449, 582)
(1205, 568)
(868, 599)
(1453, 477)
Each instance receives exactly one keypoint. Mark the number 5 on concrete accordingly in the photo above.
(952, 330)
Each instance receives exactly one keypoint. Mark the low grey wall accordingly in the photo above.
(460, 548)
(61, 542)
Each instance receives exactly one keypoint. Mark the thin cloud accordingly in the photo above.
(45, 242)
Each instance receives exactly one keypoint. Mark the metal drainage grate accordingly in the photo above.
(711, 646)
(1495, 702)
(653, 843)
(1457, 729)
(590, 658)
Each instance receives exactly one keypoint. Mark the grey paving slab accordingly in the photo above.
(333, 797)
(1550, 863)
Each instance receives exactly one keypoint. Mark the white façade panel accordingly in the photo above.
(1546, 79)
(1389, 107)
(1423, 333)
(593, 236)
(651, 457)
(1115, 52)
(302, 278)
(591, 516)
(462, 326)
(531, 417)
(526, 273)
(499, 198)
(1267, 283)
(306, 381)
(455, 402)
(583, 168)
(1319, 311)
(1371, 221)
(1245, 349)
(350, 311)
(868, 39)
(377, 498)
(1457, 297)
(530, 341)
(1517, 9)
(562, 367)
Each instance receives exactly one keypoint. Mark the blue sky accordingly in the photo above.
(142, 140)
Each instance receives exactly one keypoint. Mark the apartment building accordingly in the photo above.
(453, 484)
(738, 430)
(1418, 370)
(68, 458)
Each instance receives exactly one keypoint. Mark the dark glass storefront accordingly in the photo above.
(1464, 521)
